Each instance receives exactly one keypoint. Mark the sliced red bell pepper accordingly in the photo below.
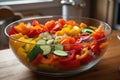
(73, 64)
(76, 47)
(98, 35)
(33, 33)
(49, 60)
(86, 60)
(49, 25)
(12, 31)
(37, 60)
(52, 31)
(35, 23)
(67, 60)
(66, 43)
(68, 63)
(96, 48)
(57, 27)
(62, 21)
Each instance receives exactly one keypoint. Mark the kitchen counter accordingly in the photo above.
(106, 69)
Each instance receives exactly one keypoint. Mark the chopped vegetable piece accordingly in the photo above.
(46, 49)
(59, 47)
(60, 53)
(87, 29)
(46, 35)
(34, 53)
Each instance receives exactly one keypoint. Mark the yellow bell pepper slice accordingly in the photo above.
(22, 55)
(74, 31)
(59, 33)
(99, 29)
(29, 46)
(79, 57)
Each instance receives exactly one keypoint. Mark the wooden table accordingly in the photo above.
(106, 69)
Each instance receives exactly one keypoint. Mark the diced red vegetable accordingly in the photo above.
(12, 31)
(37, 60)
(68, 59)
(77, 48)
(86, 60)
(35, 23)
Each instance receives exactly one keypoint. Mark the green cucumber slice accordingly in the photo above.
(34, 52)
(60, 53)
(87, 29)
(50, 41)
(46, 36)
(46, 49)
(41, 41)
(59, 47)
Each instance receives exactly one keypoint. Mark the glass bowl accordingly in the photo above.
(57, 46)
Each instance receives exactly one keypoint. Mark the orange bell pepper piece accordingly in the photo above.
(22, 28)
(71, 22)
(99, 29)
(49, 25)
(82, 25)
(48, 60)
(70, 39)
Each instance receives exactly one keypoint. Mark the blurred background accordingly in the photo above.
(11, 10)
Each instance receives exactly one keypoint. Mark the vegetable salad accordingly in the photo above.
(60, 45)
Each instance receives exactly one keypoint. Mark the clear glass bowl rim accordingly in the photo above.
(44, 17)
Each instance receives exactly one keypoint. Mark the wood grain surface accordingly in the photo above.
(106, 69)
